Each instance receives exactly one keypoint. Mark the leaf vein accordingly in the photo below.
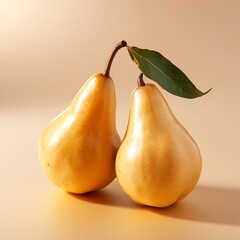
(154, 66)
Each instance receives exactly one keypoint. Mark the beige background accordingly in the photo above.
(48, 49)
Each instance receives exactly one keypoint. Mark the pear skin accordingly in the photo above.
(158, 162)
(77, 150)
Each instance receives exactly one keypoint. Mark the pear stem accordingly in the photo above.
(140, 80)
(109, 64)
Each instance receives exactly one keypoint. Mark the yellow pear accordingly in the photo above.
(77, 150)
(158, 162)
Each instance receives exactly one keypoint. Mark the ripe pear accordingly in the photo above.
(158, 162)
(77, 150)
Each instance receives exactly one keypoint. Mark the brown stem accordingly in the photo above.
(140, 80)
(109, 64)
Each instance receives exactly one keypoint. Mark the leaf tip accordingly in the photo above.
(207, 91)
(201, 93)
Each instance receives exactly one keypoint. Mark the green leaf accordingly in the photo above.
(158, 68)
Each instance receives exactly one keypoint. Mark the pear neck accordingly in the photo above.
(149, 111)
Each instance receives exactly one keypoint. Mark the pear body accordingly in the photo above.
(158, 162)
(77, 150)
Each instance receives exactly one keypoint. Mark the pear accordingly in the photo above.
(158, 162)
(77, 150)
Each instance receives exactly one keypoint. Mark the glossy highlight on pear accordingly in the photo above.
(158, 162)
(77, 149)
